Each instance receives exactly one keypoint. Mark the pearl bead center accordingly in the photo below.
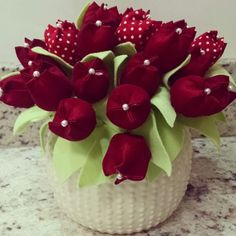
(147, 62)
(207, 91)
(125, 107)
(179, 31)
(92, 71)
(98, 23)
(36, 74)
(64, 123)
(119, 176)
(30, 63)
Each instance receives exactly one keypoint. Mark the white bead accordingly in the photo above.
(98, 23)
(91, 71)
(147, 62)
(1, 92)
(125, 107)
(119, 176)
(59, 24)
(36, 74)
(230, 88)
(202, 52)
(179, 31)
(26, 45)
(30, 63)
(207, 91)
(64, 123)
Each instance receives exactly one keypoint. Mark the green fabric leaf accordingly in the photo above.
(172, 138)
(217, 69)
(169, 74)
(161, 101)
(33, 114)
(160, 156)
(205, 125)
(68, 68)
(81, 15)
(7, 75)
(220, 117)
(92, 172)
(153, 172)
(119, 63)
(126, 48)
(42, 135)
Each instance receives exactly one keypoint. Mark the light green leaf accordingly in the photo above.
(205, 125)
(217, 69)
(169, 74)
(160, 156)
(126, 48)
(5, 76)
(220, 117)
(119, 63)
(153, 172)
(33, 114)
(92, 171)
(81, 15)
(42, 135)
(106, 56)
(172, 138)
(161, 101)
(68, 68)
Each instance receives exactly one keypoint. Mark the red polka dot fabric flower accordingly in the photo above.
(25, 55)
(74, 120)
(13, 92)
(101, 14)
(205, 51)
(171, 44)
(91, 80)
(143, 72)
(128, 157)
(47, 84)
(62, 40)
(128, 106)
(137, 27)
(95, 38)
(195, 96)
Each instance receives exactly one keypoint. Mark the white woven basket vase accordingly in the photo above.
(130, 207)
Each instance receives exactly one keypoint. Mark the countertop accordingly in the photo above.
(28, 208)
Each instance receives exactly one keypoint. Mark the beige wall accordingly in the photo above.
(19, 18)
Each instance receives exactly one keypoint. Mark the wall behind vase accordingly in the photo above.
(20, 18)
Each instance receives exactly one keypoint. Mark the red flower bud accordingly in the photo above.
(136, 27)
(74, 120)
(90, 80)
(128, 106)
(127, 156)
(13, 92)
(195, 96)
(143, 72)
(171, 44)
(62, 40)
(47, 84)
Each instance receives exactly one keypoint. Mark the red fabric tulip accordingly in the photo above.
(195, 96)
(143, 72)
(96, 13)
(137, 27)
(205, 51)
(91, 80)
(95, 38)
(26, 56)
(127, 156)
(13, 92)
(62, 40)
(47, 85)
(128, 106)
(74, 120)
(171, 44)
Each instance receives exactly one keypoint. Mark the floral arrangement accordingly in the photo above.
(118, 90)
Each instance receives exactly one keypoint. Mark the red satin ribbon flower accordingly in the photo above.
(143, 72)
(127, 156)
(128, 106)
(47, 84)
(96, 14)
(171, 44)
(62, 40)
(74, 120)
(13, 92)
(91, 80)
(136, 27)
(195, 96)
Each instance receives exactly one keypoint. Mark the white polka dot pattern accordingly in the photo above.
(129, 207)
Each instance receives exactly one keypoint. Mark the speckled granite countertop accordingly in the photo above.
(27, 206)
